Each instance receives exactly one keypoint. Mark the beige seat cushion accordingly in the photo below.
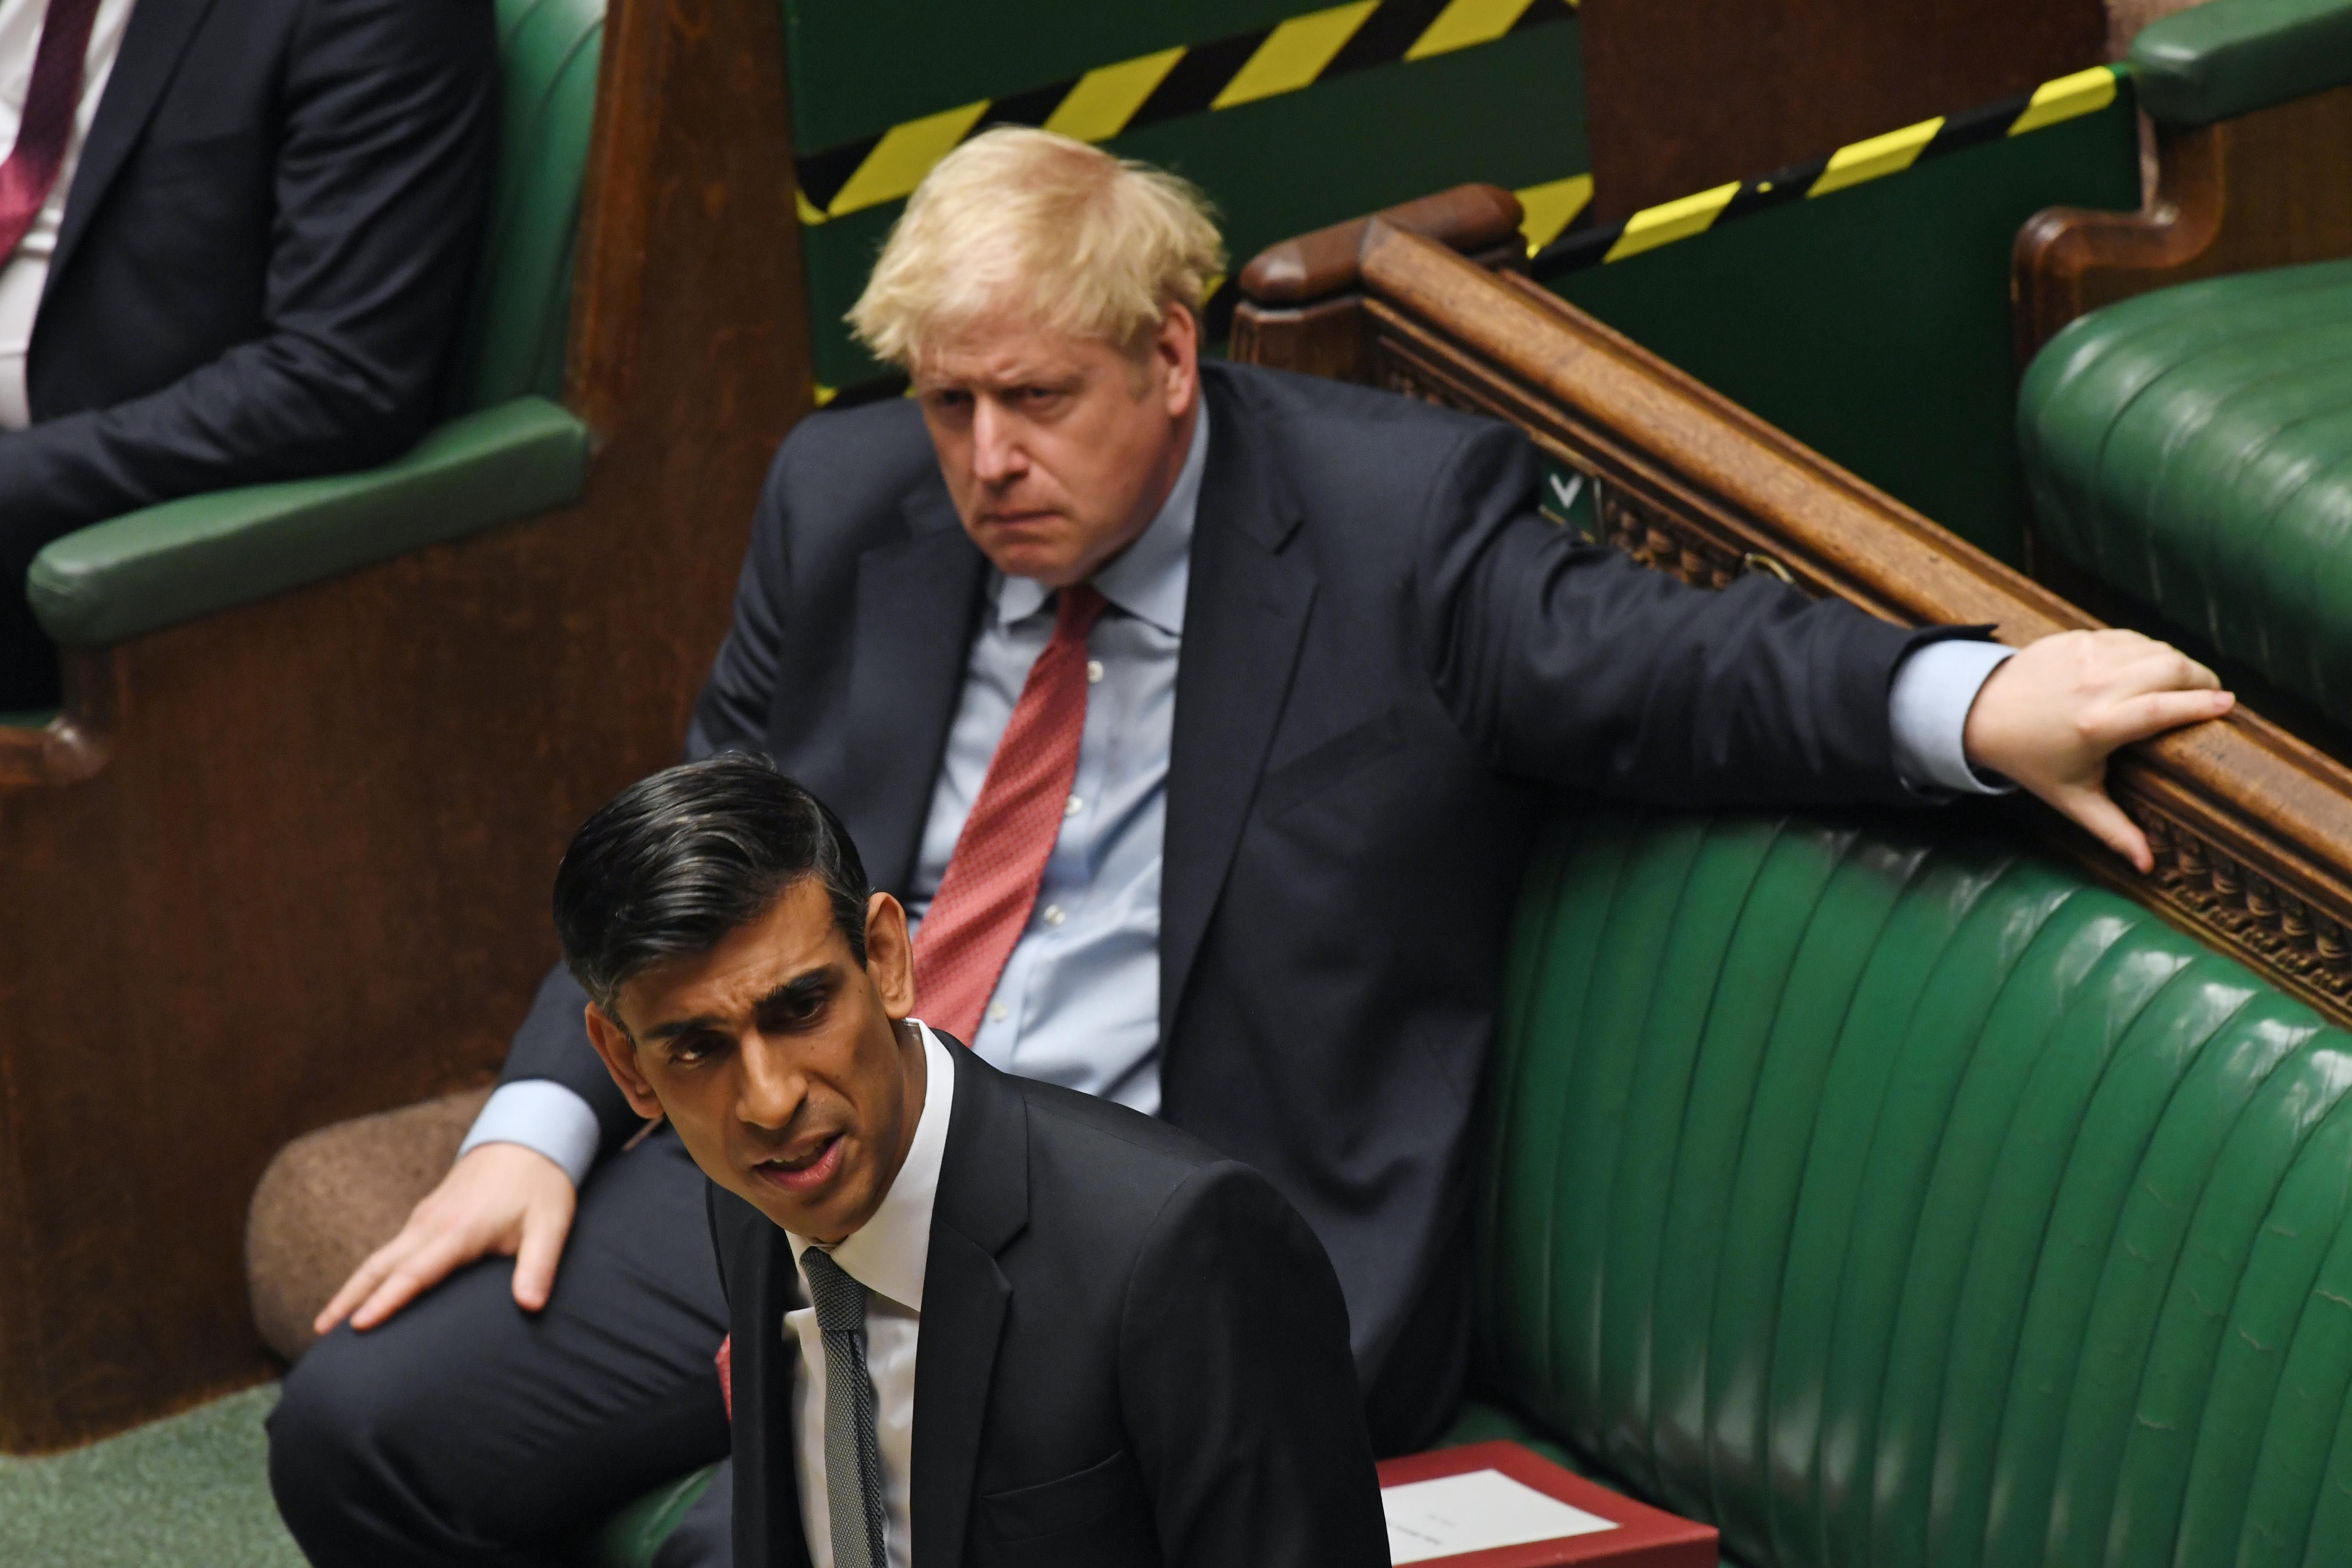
(331, 1197)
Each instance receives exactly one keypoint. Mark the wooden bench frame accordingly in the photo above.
(2252, 826)
(287, 864)
(2261, 190)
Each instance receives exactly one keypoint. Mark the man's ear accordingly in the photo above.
(890, 955)
(1176, 357)
(620, 1054)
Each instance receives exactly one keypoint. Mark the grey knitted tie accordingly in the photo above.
(853, 1454)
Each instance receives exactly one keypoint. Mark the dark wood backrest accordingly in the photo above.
(2251, 827)
(290, 863)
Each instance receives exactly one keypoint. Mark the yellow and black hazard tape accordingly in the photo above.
(2084, 93)
(1166, 85)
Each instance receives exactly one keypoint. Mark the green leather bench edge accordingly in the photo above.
(631, 1537)
(2228, 58)
(187, 558)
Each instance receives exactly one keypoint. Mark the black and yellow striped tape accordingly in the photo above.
(1167, 84)
(2084, 93)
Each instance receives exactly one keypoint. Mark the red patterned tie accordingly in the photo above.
(48, 124)
(999, 856)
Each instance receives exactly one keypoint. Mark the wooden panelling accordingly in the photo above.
(1683, 95)
(290, 863)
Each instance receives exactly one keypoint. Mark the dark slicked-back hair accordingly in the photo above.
(669, 866)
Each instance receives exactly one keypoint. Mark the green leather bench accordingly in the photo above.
(510, 451)
(2193, 447)
(1885, 1197)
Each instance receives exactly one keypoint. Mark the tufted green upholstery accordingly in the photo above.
(1895, 1200)
(2194, 448)
(522, 306)
(512, 453)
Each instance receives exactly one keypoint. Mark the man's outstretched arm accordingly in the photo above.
(1565, 661)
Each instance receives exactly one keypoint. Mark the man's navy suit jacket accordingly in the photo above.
(1391, 664)
(1132, 1355)
(263, 263)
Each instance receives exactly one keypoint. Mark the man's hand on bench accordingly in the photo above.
(2048, 718)
(500, 1199)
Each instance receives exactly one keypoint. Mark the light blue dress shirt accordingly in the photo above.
(1078, 1004)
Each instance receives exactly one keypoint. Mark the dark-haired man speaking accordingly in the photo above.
(1149, 1336)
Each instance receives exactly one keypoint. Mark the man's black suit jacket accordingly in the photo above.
(1391, 663)
(264, 258)
(1132, 1353)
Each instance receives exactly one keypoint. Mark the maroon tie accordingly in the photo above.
(985, 899)
(48, 124)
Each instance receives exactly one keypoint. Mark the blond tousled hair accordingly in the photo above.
(1034, 228)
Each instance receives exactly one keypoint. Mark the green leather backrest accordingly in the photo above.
(519, 317)
(1895, 1199)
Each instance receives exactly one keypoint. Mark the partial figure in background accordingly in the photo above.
(239, 242)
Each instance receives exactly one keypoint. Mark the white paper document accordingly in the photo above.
(1475, 1511)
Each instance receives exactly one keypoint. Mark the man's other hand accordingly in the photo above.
(2048, 717)
(501, 1198)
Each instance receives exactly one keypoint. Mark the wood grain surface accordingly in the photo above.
(290, 863)
(1683, 95)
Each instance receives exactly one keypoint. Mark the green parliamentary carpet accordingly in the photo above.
(189, 1492)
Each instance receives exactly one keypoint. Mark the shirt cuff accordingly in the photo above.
(1934, 686)
(543, 1116)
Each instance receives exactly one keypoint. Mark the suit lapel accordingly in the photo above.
(983, 1203)
(1244, 618)
(151, 46)
(917, 601)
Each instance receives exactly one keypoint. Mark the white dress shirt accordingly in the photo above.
(26, 271)
(888, 1254)
(1078, 1002)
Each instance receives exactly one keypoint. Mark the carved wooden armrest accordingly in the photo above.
(1302, 291)
(2271, 189)
(2252, 112)
(75, 744)
(2251, 827)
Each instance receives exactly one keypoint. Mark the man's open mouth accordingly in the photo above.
(803, 1169)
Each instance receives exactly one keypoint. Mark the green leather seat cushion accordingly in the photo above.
(187, 558)
(1884, 1196)
(513, 454)
(2194, 448)
(2228, 58)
